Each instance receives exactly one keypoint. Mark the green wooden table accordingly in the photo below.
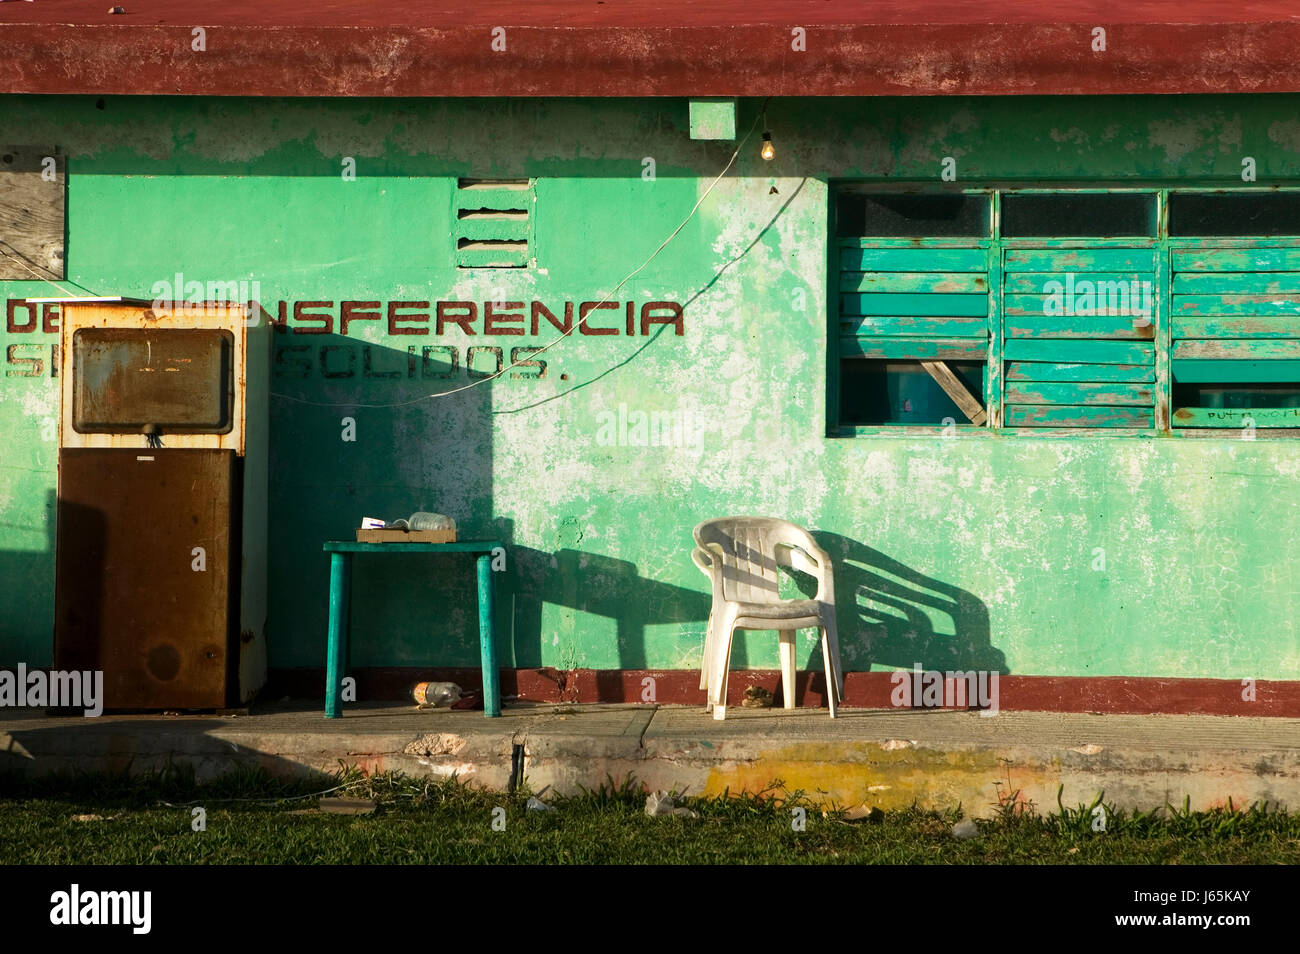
(341, 551)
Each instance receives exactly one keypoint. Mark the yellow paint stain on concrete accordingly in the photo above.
(867, 773)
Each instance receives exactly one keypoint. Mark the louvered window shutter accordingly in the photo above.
(1078, 337)
(1235, 318)
(926, 303)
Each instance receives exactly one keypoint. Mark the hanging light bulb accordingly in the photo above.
(768, 151)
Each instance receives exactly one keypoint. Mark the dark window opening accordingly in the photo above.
(912, 216)
(1236, 396)
(903, 392)
(1067, 215)
(1234, 213)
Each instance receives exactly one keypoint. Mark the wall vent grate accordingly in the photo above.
(492, 223)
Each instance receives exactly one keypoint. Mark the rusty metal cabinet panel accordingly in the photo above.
(144, 382)
(146, 587)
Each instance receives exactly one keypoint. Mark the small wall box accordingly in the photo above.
(406, 536)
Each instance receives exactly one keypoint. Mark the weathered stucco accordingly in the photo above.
(972, 551)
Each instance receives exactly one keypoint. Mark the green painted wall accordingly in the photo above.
(980, 551)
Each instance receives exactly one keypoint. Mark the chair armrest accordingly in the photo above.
(710, 565)
(814, 561)
(798, 558)
(825, 577)
(703, 561)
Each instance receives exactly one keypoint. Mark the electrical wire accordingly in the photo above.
(762, 113)
(23, 262)
(581, 321)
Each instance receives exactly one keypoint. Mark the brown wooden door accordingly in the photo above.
(144, 573)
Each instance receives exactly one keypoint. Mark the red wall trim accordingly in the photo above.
(867, 690)
(737, 57)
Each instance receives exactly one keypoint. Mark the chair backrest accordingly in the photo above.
(748, 552)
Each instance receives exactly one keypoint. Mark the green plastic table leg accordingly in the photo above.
(487, 639)
(340, 583)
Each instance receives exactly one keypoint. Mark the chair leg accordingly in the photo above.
(719, 663)
(719, 678)
(704, 660)
(834, 643)
(832, 688)
(787, 667)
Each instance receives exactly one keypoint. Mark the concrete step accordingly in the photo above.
(888, 758)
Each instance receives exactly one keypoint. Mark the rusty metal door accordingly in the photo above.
(145, 583)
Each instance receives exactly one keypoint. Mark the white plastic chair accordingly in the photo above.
(740, 555)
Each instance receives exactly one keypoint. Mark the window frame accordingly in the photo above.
(1160, 241)
(992, 374)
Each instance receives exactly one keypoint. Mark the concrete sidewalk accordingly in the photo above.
(888, 758)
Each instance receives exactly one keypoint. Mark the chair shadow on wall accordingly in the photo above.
(581, 582)
(887, 611)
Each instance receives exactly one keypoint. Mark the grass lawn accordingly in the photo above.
(254, 819)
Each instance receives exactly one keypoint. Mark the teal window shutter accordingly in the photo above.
(913, 329)
(1078, 326)
(1235, 318)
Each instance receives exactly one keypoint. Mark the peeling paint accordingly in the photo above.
(960, 550)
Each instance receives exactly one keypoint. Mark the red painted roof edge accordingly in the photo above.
(937, 59)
